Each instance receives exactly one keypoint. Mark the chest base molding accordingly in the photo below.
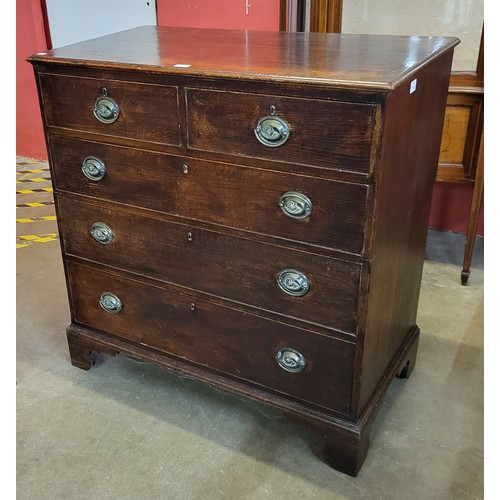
(346, 443)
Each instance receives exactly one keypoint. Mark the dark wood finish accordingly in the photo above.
(346, 446)
(198, 236)
(462, 129)
(221, 121)
(461, 155)
(480, 62)
(83, 354)
(283, 15)
(234, 268)
(301, 9)
(401, 217)
(477, 198)
(69, 103)
(461, 158)
(326, 16)
(221, 193)
(218, 338)
(361, 61)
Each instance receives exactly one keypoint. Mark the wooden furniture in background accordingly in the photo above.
(461, 157)
(462, 129)
(235, 205)
(477, 197)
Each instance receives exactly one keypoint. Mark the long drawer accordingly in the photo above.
(131, 110)
(318, 133)
(302, 285)
(222, 339)
(320, 212)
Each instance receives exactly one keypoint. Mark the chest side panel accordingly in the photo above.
(408, 164)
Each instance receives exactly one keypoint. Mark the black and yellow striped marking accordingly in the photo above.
(34, 179)
(32, 191)
(31, 239)
(36, 219)
(33, 171)
(35, 204)
(28, 172)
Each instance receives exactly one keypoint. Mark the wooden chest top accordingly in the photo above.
(338, 60)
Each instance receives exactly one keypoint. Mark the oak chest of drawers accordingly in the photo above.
(249, 209)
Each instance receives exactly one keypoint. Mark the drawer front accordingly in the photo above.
(237, 269)
(241, 197)
(145, 112)
(221, 339)
(327, 134)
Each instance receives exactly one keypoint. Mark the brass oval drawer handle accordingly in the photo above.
(293, 282)
(110, 302)
(106, 109)
(101, 233)
(290, 360)
(295, 205)
(93, 168)
(272, 131)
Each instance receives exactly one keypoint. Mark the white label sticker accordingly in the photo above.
(182, 65)
(413, 86)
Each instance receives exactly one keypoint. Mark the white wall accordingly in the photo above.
(72, 21)
(460, 18)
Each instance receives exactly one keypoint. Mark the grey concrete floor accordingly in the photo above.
(130, 430)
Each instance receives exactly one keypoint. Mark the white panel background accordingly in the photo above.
(460, 18)
(72, 21)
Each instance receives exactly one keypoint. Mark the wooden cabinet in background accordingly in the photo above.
(461, 157)
(461, 135)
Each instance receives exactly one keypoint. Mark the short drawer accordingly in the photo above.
(135, 110)
(301, 285)
(221, 339)
(306, 209)
(319, 133)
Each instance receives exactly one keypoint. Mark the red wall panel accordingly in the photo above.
(227, 14)
(30, 38)
(450, 208)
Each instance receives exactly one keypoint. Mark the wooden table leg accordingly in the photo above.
(474, 213)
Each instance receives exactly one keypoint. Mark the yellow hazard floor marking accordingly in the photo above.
(35, 205)
(26, 172)
(36, 219)
(32, 191)
(35, 179)
(30, 239)
(34, 171)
